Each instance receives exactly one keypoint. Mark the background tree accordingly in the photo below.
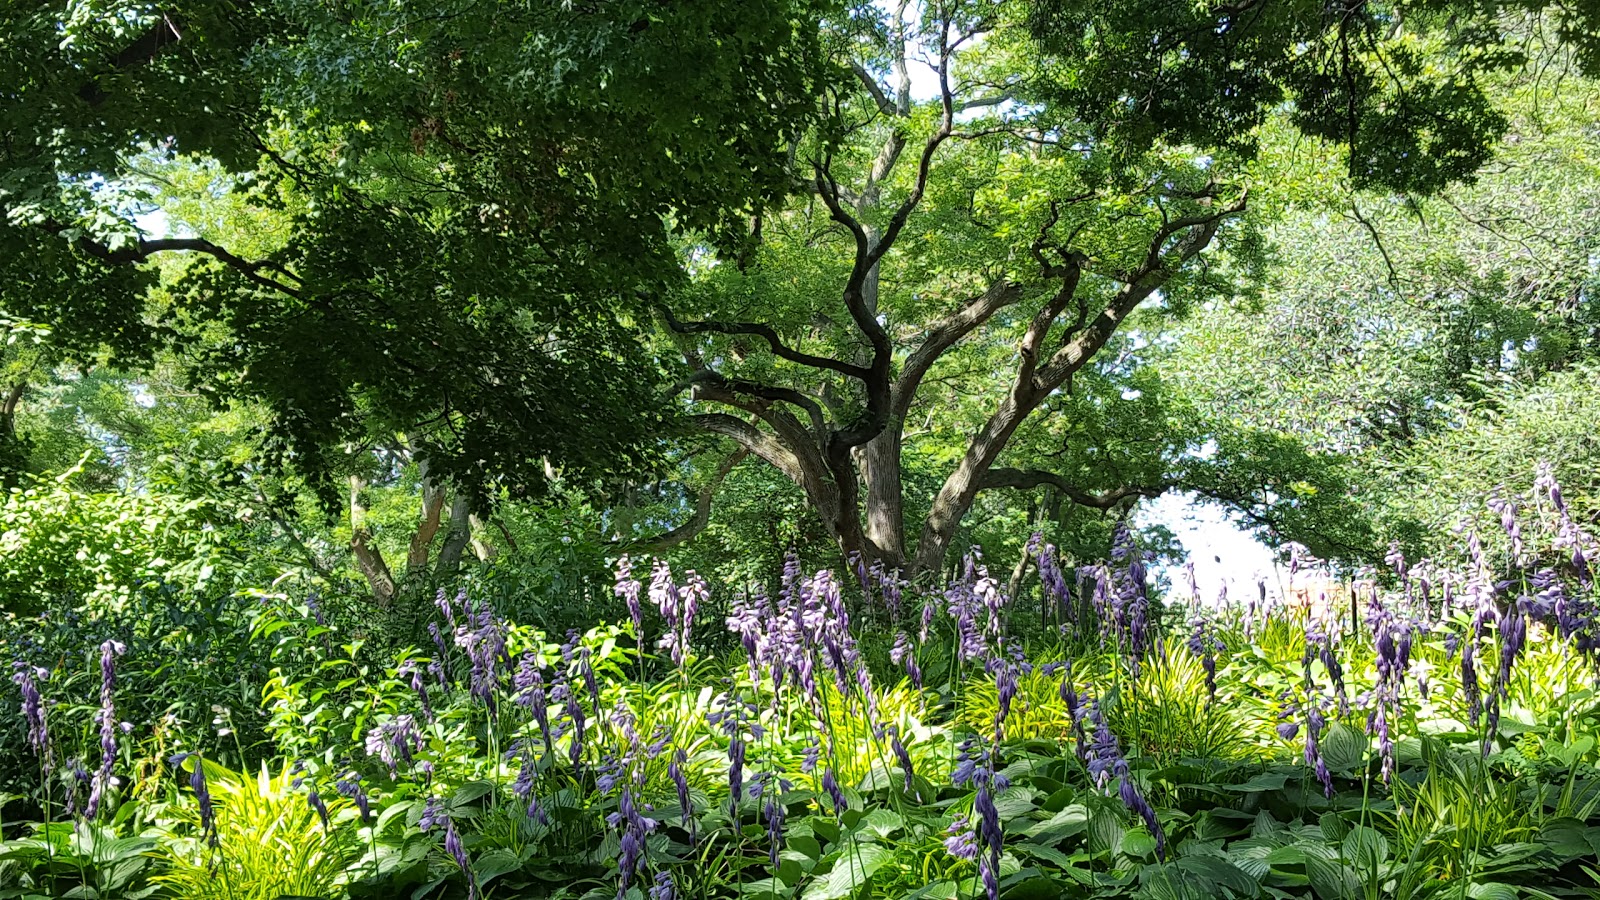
(1074, 166)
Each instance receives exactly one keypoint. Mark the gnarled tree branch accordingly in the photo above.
(1028, 479)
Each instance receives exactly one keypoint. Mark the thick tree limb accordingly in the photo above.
(702, 511)
(754, 440)
(1160, 264)
(144, 248)
(421, 546)
(946, 333)
(711, 385)
(368, 558)
(875, 90)
(768, 334)
(1028, 479)
(455, 542)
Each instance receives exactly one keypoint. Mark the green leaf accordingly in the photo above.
(1064, 824)
(1491, 891)
(881, 823)
(469, 792)
(1365, 847)
(495, 863)
(1138, 843)
(1220, 871)
(1334, 827)
(1048, 854)
(1331, 879)
(1343, 748)
(1266, 781)
(851, 870)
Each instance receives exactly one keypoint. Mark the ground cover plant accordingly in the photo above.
(850, 735)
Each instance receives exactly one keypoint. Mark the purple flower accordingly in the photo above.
(890, 585)
(394, 741)
(350, 786)
(1052, 580)
(1133, 800)
(903, 655)
(680, 781)
(736, 752)
(901, 755)
(458, 852)
(439, 666)
(529, 684)
(963, 841)
(628, 589)
(35, 712)
(1314, 725)
(77, 777)
(774, 812)
(663, 887)
(433, 815)
(413, 675)
(481, 637)
(107, 717)
(745, 619)
(202, 794)
(830, 786)
(1288, 730)
(635, 827)
(446, 608)
(314, 800)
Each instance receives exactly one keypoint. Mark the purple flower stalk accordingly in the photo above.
(680, 781)
(35, 712)
(628, 589)
(830, 786)
(202, 794)
(902, 756)
(350, 786)
(635, 827)
(963, 840)
(107, 717)
(439, 666)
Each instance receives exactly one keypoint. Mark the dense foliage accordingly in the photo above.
(503, 448)
(1086, 739)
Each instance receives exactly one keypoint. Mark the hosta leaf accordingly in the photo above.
(1334, 828)
(1064, 824)
(1492, 892)
(1343, 748)
(1048, 854)
(881, 822)
(1332, 880)
(1220, 871)
(1266, 781)
(495, 863)
(1365, 847)
(469, 792)
(851, 870)
(1137, 843)
(938, 890)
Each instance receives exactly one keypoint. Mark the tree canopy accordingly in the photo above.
(878, 279)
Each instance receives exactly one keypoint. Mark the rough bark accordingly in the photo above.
(368, 558)
(851, 470)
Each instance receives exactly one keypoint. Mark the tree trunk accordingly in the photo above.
(879, 462)
(457, 538)
(961, 488)
(481, 548)
(368, 558)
